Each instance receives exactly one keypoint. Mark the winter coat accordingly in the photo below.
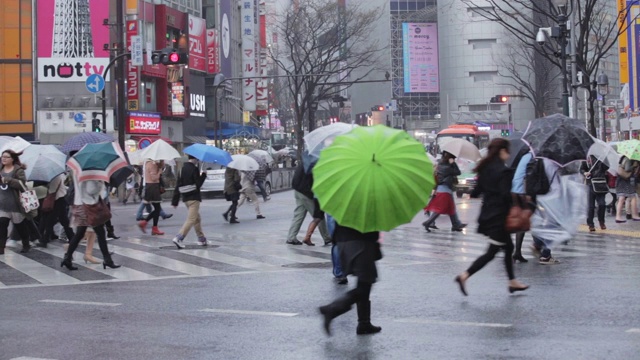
(447, 173)
(358, 252)
(598, 171)
(302, 182)
(231, 178)
(494, 183)
(190, 175)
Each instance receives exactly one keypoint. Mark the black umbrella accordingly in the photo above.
(558, 138)
(120, 176)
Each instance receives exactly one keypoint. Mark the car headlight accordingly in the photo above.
(463, 182)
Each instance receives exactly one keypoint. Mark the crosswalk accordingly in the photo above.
(150, 258)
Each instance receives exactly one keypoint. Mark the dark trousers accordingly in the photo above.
(262, 190)
(21, 228)
(155, 214)
(102, 242)
(491, 253)
(234, 206)
(58, 214)
(593, 200)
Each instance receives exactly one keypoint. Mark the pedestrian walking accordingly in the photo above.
(232, 188)
(131, 185)
(59, 212)
(12, 183)
(248, 191)
(318, 217)
(153, 195)
(447, 172)
(358, 254)
(302, 183)
(188, 186)
(261, 177)
(89, 211)
(594, 172)
(518, 188)
(338, 273)
(626, 189)
(494, 183)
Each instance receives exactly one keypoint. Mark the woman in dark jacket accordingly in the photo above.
(442, 203)
(358, 255)
(12, 183)
(232, 193)
(494, 183)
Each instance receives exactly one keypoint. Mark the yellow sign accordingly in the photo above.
(623, 42)
(246, 117)
(132, 7)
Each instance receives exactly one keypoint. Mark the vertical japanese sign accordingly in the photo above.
(247, 16)
(197, 47)
(623, 43)
(213, 64)
(133, 75)
(262, 89)
(633, 51)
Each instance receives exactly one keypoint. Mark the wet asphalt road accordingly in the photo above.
(586, 307)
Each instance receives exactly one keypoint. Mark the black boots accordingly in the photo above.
(432, 218)
(66, 262)
(364, 319)
(335, 309)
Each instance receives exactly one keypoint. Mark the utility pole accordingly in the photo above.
(121, 102)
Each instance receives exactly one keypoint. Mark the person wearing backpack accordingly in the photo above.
(626, 188)
(594, 172)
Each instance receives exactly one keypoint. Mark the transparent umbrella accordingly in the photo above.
(322, 137)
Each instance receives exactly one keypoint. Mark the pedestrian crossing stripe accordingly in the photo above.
(154, 258)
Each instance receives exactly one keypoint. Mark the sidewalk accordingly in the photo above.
(630, 228)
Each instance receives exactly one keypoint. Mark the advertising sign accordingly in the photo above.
(136, 50)
(248, 26)
(197, 44)
(60, 60)
(144, 123)
(197, 106)
(631, 44)
(420, 57)
(623, 44)
(177, 99)
(225, 38)
(133, 75)
(213, 64)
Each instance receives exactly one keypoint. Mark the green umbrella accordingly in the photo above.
(373, 178)
(630, 149)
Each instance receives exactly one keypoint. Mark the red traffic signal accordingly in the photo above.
(499, 99)
(378, 108)
(169, 56)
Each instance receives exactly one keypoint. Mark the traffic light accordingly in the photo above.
(504, 133)
(169, 56)
(499, 99)
(378, 108)
(95, 125)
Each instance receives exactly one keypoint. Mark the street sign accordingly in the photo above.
(95, 83)
(136, 50)
(79, 117)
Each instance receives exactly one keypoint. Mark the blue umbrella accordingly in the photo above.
(208, 153)
(78, 141)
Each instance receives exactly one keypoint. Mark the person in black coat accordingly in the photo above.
(595, 174)
(494, 183)
(358, 255)
(189, 184)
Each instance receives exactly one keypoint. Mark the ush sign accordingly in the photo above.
(197, 105)
(70, 69)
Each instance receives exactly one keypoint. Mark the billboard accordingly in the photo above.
(225, 38)
(213, 64)
(623, 44)
(133, 73)
(632, 42)
(420, 57)
(248, 30)
(61, 60)
(177, 99)
(197, 44)
(144, 123)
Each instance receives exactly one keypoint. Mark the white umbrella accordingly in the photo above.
(461, 148)
(261, 154)
(44, 162)
(134, 157)
(323, 136)
(159, 150)
(606, 155)
(243, 163)
(16, 144)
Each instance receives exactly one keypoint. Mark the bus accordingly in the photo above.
(468, 132)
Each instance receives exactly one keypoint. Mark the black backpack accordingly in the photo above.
(536, 180)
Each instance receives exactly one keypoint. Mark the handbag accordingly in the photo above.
(162, 190)
(599, 185)
(50, 200)
(519, 217)
(187, 188)
(98, 213)
(28, 199)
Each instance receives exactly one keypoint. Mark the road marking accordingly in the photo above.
(454, 323)
(35, 270)
(79, 302)
(249, 312)
(30, 358)
(637, 330)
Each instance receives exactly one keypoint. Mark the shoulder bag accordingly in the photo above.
(28, 199)
(599, 185)
(50, 200)
(519, 217)
(98, 213)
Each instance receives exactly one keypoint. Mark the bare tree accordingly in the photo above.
(531, 76)
(595, 31)
(326, 47)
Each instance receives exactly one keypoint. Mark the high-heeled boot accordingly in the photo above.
(66, 262)
(335, 309)
(364, 319)
(156, 231)
(88, 257)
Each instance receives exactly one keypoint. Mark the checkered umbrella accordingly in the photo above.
(79, 141)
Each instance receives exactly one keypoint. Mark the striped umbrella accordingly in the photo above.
(97, 161)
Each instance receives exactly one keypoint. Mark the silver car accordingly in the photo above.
(215, 182)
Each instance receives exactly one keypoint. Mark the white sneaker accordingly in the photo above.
(178, 241)
(202, 241)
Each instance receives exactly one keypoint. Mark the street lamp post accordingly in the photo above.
(561, 33)
(603, 90)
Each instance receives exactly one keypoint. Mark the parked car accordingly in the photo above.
(215, 182)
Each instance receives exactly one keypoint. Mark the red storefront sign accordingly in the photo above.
(144, 123)
(197, 44)
(213, 65)
(133, 76)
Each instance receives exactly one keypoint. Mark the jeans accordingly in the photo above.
(593, 200)
(305, 205)
(545, 252)
(193, 219)
(262, 190)
(147, 207)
